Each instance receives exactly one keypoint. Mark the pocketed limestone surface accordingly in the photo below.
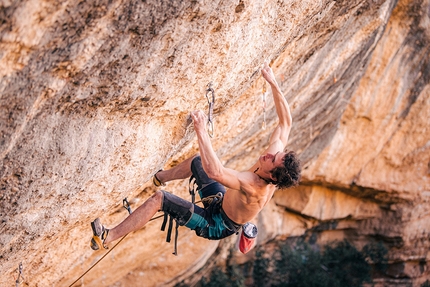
(95, 98)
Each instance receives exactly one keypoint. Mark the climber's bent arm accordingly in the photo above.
(210, 161)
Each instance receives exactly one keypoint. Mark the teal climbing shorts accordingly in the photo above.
(210, 221)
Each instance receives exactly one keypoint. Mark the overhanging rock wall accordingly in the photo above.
(95, 98)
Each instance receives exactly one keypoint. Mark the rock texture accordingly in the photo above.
(95, 98)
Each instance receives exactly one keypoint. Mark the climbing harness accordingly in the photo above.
(191, 187)
(264, 106)
(211, 103)
(17, 281)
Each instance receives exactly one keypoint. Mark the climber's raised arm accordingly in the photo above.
(210, 161)
(282, 130)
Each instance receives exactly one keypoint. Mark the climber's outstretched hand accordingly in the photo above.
(199, 120)
(267, 73)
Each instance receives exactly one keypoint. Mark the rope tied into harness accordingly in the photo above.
(192, 187)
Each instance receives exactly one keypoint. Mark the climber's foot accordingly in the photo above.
(156, 181)
(100, 234)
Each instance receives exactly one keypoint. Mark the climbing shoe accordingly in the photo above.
(99, 235)
(156, 181)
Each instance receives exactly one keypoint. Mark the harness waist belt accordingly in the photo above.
(230, 223)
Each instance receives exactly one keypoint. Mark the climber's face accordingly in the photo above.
(270, 161)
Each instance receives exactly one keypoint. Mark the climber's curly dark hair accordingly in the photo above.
(289, 175)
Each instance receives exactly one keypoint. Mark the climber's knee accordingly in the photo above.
(202, 179)
(158, 198)
(177, 207)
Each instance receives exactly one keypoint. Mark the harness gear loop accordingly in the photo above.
(126, 205)
(191, 188)
(163, 225)
(176, 239)
(211, 103)
(264, 106)
(169, 230)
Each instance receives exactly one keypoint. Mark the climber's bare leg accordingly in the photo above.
(146, 211)
(181, 171)
(137, 219)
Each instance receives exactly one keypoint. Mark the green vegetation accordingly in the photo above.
(303, 265)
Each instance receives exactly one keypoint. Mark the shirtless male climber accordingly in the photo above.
(241, 195)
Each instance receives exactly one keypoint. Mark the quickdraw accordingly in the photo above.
(126, 205)
(18, 280)
(264, 106)
(211, 103)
